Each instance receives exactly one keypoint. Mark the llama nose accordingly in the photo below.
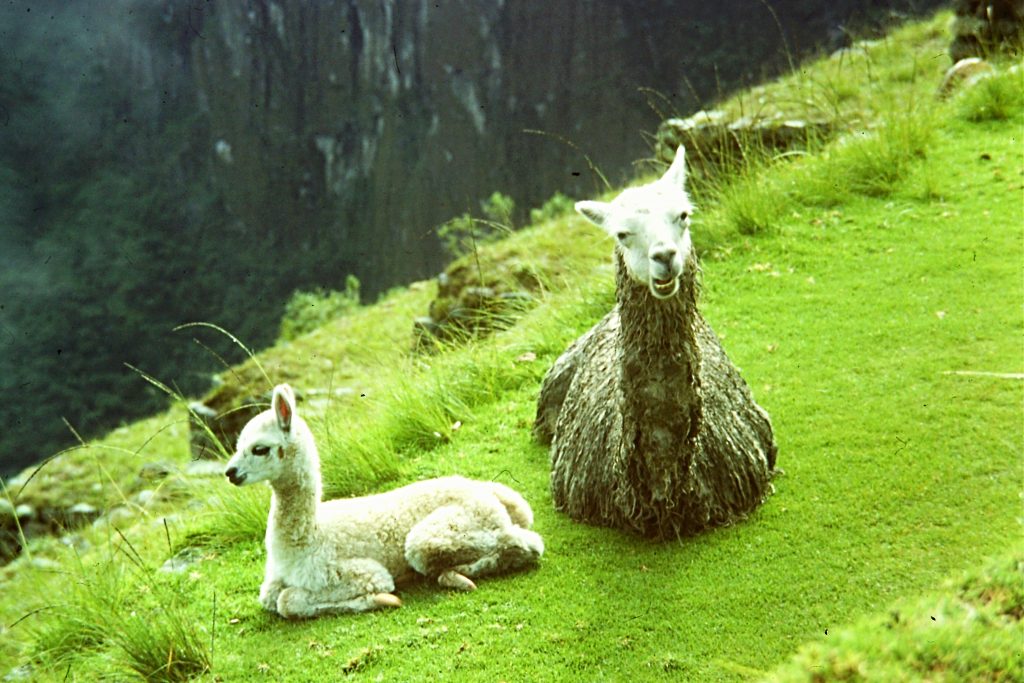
(663, 254)
(231, 473)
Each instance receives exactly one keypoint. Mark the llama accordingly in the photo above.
(652, 429)
(345, 555)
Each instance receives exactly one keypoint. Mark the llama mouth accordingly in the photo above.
(663, 289)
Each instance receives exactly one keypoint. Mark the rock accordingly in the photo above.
(465, 306)
(182, 560)
(19, 673)
(144, 497)
(964, 74)
(711, 139)
(154, 471)
(24, 512)
(220, 418)
(985, 27)
(76, 541)
(44, 564)
(115, 517)
(205, 468)
(79, 514)
(202, 421)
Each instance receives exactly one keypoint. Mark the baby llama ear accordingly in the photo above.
(595, 212)
(283, 404)
(676, 173)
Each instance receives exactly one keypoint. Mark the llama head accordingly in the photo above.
(269, 442)
(651, 226)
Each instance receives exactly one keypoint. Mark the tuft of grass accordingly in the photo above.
(160, 643)
(753, 204)
(994, 97)
(232, 515)
(144, 626)
(873, 162)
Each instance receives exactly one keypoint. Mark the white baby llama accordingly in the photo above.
(344, 555)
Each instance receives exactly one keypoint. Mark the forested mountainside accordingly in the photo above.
(170, 162)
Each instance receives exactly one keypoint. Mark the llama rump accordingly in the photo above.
(652, 429)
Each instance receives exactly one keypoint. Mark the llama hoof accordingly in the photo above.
(453, 579)
(386, 600)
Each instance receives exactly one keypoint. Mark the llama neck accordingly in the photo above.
(659, 361)
(296, 496)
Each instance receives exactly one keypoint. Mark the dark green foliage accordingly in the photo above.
(558, 205)
(308, 310)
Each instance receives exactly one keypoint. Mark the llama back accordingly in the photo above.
(518, 509)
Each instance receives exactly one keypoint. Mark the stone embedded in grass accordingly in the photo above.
(964, 74)
(714, 140)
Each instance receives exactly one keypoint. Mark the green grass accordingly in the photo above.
(969, 631)
(865, 319)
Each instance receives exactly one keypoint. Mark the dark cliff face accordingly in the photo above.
(356, 127)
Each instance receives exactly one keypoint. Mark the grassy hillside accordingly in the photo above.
(870, 292)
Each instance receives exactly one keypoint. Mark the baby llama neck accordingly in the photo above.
(296, 496)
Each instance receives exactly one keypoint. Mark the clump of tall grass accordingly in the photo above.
(995, 97)
(118, 604)
(872, 162)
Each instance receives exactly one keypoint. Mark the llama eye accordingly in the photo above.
(683, 216)
(260, 450)
(622, 236)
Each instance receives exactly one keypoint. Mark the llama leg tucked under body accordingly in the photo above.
(457, 542)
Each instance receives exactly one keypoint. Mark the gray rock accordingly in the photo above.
(25, 511)
(205, 468)
(115, 517)
(45, 564)
(181, 561)
(82, 509)
(76, 541)
(154, 471)
(19, 673)
(143, 497)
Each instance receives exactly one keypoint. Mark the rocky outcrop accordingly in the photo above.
(986, 27)
(713, 139)
(471, 303)
(964, 73)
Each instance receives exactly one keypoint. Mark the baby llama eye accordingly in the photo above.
(260, 450)
(683, 216)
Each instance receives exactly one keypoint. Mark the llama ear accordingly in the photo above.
(676, 173)
(283, 404)
(595, 212)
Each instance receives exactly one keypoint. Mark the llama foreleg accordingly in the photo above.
(269, 592)
(355, 585)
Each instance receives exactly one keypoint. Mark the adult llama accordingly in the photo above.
(652, 429)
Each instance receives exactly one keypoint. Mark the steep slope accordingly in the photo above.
(878, 323)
